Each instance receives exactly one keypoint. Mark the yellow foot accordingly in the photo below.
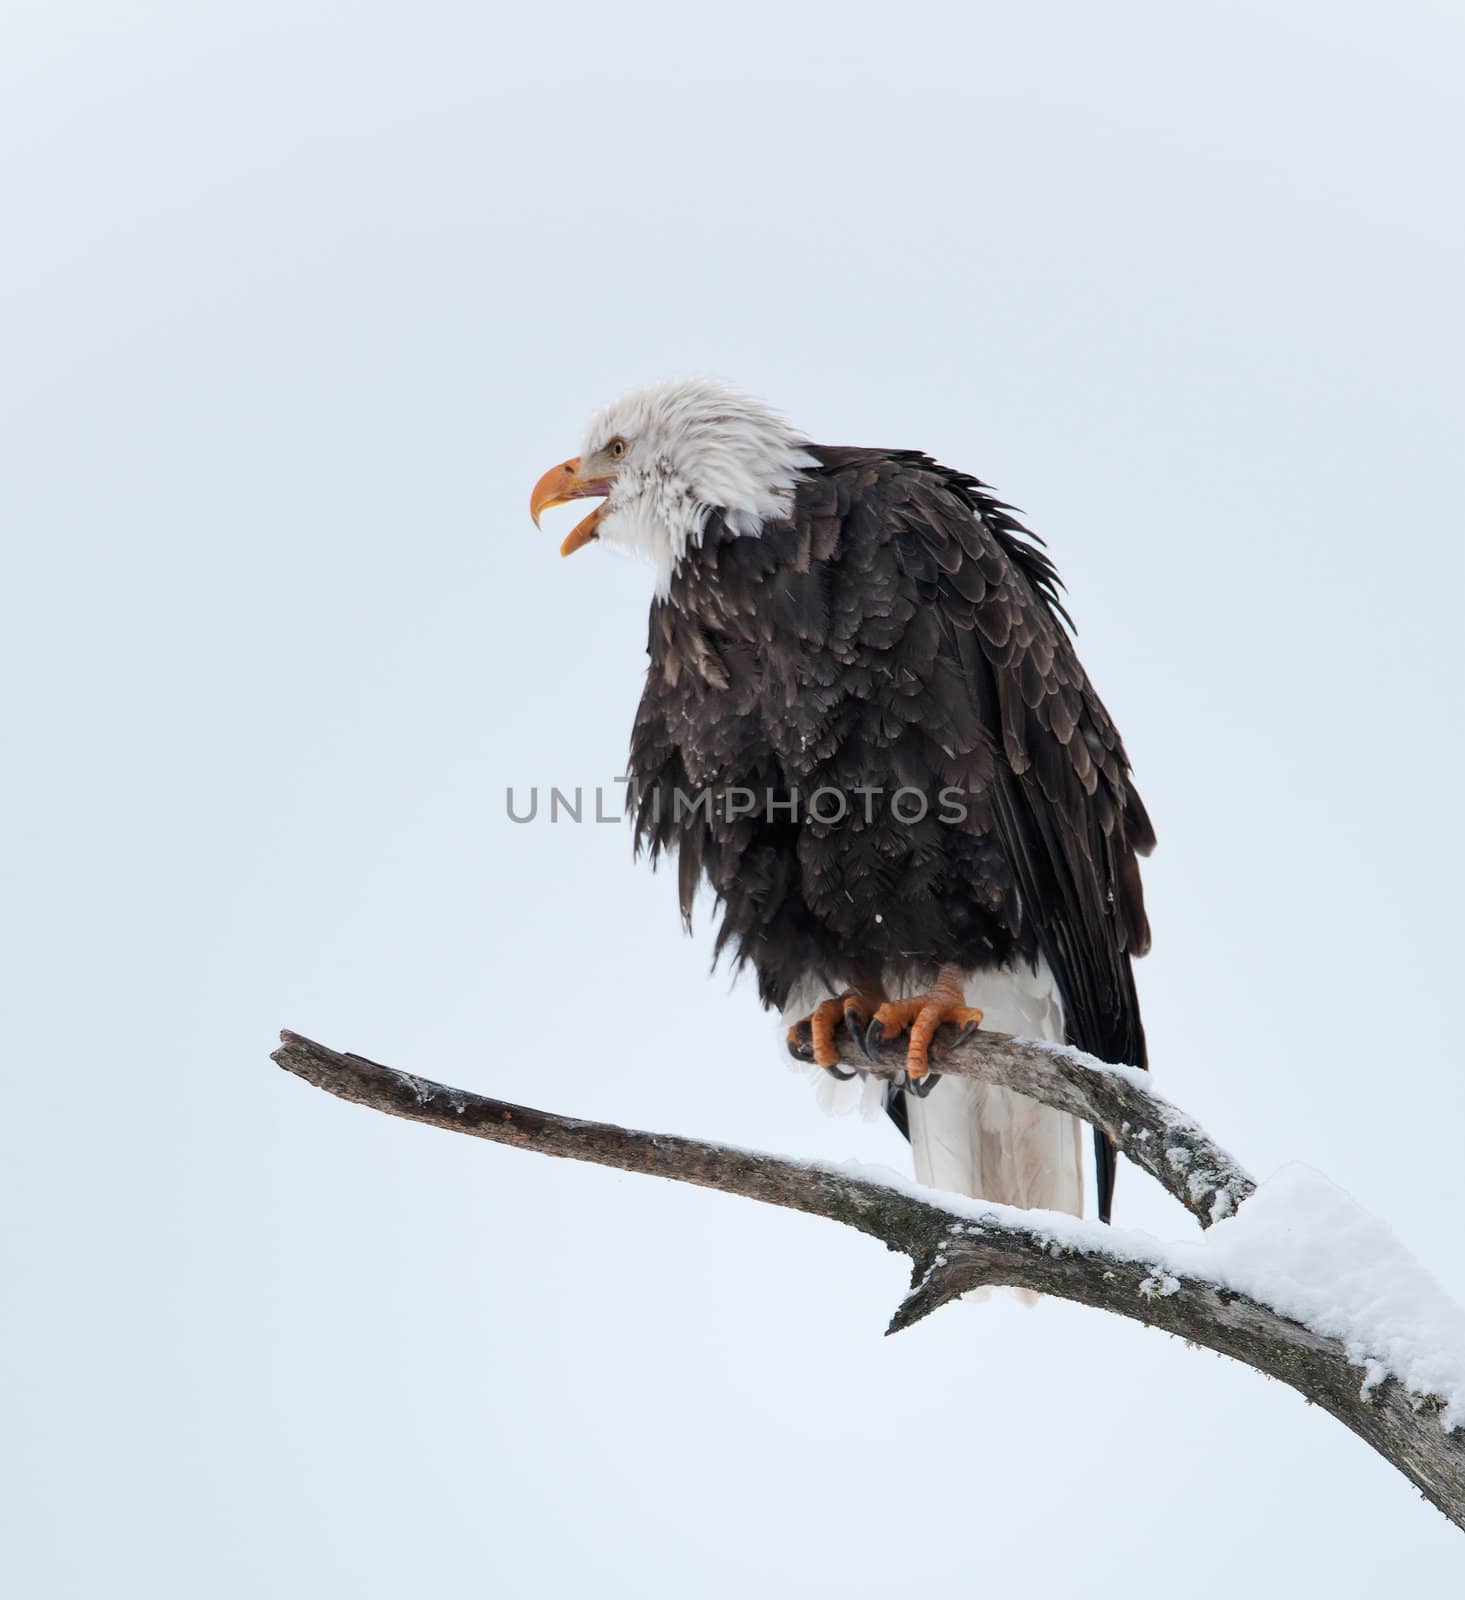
(922, 1014)
(854, 1008)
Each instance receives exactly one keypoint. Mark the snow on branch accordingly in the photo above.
(1177, 1153)
(1301, 1285)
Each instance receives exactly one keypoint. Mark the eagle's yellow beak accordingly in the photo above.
(564, 483)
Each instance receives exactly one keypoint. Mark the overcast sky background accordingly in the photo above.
(298, 301)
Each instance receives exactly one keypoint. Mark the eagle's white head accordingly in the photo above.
(665, 458)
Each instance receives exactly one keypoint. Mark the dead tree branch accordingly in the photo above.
(954, 1250)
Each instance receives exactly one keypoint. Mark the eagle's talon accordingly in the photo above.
(854, 1023)
(922, 1086)
(800, 1045)
(922, 1015)
(819, 1027)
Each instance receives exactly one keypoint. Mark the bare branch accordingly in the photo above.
(1154, 1134)
(956, 1250)
(900, 1221)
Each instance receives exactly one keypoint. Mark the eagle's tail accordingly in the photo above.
(976, 1139)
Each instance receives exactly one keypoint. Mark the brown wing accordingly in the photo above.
(1064, 805)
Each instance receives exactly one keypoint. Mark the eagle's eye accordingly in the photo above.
(617, 448)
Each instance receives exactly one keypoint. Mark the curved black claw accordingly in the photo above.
(921, 1087)
(862, 1036)
(840, 1074)
(967, 1032)
(852, 1027)
(870, 1039)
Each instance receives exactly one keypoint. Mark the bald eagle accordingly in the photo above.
(865, 725)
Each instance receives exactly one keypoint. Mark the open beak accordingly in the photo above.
(562, 484)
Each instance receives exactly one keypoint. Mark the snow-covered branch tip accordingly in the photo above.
(1378, 1346)
(1179, 1154)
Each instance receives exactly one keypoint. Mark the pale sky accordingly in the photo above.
(298, 302)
